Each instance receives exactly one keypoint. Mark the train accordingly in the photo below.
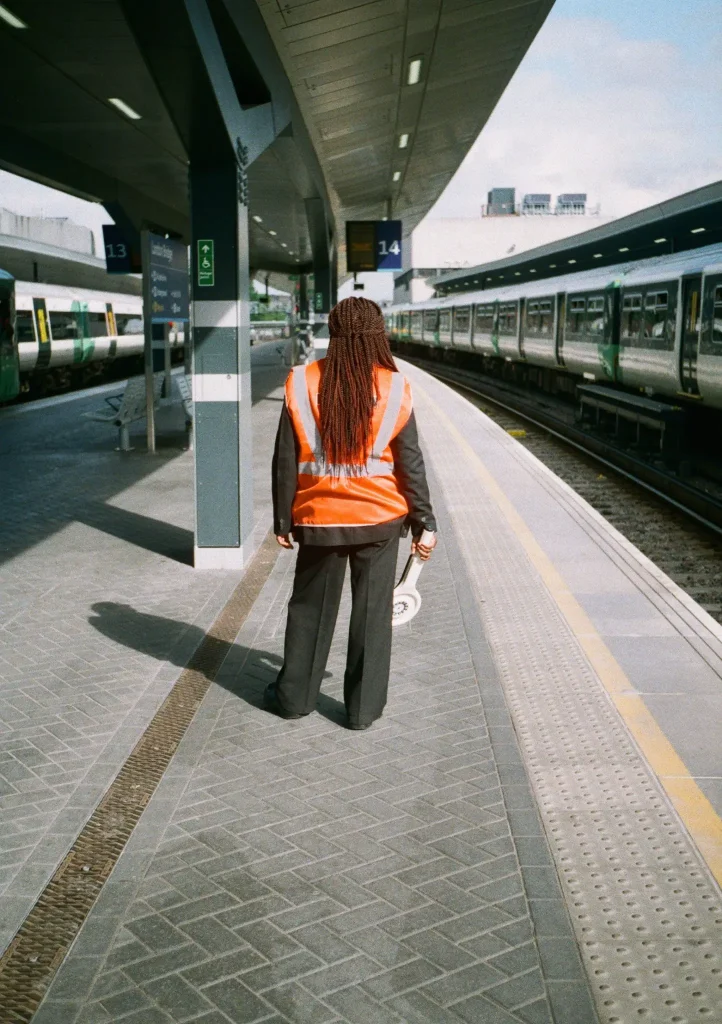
(53, 337)
(654, 325)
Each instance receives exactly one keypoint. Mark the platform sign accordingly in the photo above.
(388, 245)
(120, 256)
(206, 263)
(168, 284)
(373, 245)
(360, 246)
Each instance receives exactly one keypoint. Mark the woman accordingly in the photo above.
(348, 480)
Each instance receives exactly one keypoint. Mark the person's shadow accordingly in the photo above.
(246, 676)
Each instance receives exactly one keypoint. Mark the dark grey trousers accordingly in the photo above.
(312, 613)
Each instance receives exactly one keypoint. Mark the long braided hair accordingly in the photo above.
(358, 344)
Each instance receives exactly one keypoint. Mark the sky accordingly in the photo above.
(621, 99)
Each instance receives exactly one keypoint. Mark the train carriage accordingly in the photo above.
(654, 325)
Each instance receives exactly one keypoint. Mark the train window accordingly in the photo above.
(484, 320)
(126, 323)
(576, 314)
(531, 316)
(429, 320)
(595, 319)
(546, 317)
(24, 329)
(462, 320)
(416, 324)
(507, 318)
(444, 321)
(631, 320)
(655, 334)
(63, 326)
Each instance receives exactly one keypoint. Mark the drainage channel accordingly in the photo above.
(43, 940)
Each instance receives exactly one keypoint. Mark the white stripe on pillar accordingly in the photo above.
(216, 387)
(216, 313)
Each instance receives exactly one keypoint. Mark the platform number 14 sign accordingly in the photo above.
(388, 245)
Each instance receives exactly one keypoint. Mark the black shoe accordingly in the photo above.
(358, 725)
(271, 703)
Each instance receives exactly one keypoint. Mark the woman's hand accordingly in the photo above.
(423, 550)
(284, 539)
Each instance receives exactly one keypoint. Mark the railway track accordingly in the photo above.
(681, 531)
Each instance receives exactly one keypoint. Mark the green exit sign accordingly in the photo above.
(206, 263)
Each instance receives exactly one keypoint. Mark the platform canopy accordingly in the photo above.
(335, 72)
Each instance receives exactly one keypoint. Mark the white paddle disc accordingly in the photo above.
(407, 599)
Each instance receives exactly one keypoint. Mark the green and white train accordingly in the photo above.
(654, 325)
(53, 337)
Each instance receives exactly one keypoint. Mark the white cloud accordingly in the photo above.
(631, 122)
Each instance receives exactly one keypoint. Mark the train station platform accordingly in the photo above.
(530, 834)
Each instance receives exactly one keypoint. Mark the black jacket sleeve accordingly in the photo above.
(284, 474)
(411, 473)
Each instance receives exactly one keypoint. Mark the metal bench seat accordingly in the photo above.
(131, 406)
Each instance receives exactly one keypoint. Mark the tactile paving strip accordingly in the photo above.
(41, 943)
(645, 909)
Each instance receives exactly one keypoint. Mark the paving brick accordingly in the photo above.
(355, 1005)
(324, 943)
(164, 963)
(438, 950)
(400, 979)
(212, 935)
(176, 997)
(348, 972)
(298, 1005)
(291, 968)
(223, 966)
(238, 1003)
(156, 933)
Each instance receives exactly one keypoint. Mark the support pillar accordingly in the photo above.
(221, 369)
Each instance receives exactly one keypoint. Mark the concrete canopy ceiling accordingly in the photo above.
(346, 61)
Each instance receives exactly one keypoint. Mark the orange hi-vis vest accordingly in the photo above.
(362, 494)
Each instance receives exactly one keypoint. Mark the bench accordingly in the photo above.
(598, 403)
(128, 407)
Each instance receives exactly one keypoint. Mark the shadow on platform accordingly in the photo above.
(151, 534)
(56, 465)
(172, 640)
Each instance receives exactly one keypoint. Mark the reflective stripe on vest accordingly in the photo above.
(374, 465)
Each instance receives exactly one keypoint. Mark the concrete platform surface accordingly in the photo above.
(523, 837)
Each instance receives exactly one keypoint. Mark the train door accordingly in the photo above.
(112, 328)
(559, 328)
(520, 322)
(691, 308)
(42, 333)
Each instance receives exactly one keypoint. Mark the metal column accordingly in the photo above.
(221, 368)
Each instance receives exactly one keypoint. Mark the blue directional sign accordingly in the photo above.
(168, 291)
(388, 245)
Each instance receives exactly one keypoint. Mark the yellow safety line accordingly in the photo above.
(693, 807)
